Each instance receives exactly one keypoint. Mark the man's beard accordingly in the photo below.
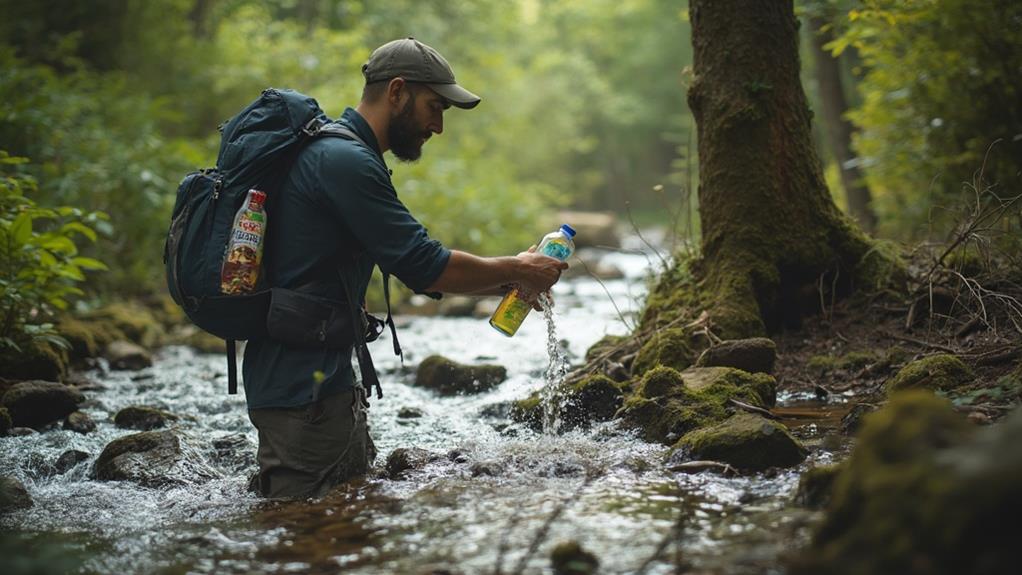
(405, 137)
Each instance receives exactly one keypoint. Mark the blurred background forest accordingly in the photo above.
(112, 101)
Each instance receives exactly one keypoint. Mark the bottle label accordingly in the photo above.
(556, 250)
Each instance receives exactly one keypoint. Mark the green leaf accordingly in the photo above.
(89, 263)
(60, 244)
(79, 227)
(21, 229)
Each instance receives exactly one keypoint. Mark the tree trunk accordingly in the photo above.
(837, 128)
(774, 245)
(199, 16)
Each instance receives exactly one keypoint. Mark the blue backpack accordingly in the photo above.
(257, 149)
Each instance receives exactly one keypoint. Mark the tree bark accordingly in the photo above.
(774, 245)
(838, 129)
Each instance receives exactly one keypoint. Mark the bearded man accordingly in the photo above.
(336, 218)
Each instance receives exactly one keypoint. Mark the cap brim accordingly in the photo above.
(456, 95)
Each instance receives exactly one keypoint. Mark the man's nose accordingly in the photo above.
(437, 125)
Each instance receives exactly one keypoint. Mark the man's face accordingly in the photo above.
(421, 116)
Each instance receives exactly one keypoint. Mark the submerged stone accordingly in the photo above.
(924, 491)
(148, 458)
(746, 441)
(569, 558)
(405, 459)
(754, 355)
(668, 347)
(38, 403)
(450, 377)
(68, 460)
(13, 495)
(143, 418)
(941, 372)
(79, 422)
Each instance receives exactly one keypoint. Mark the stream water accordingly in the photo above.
(497, 499)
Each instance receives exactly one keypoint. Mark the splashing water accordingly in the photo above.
(555, 371)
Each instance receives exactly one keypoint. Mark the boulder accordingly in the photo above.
(127, 355)
(457, 306)
(405, 459)
(68, 460)
(21, 431)
(234, 453)
(35, 360)
(409, 413)
(754, 355)
(80, 422)
(668, 347)
(148, 458)
(569, 558)
(815, 486)
(450, 378)
(125, 321)
(940, 372)
(143, 418)
(13, 495)
(5, 421)
(81, 336)
(592, 228)
(924, 491)
(666, 404)
(745, 441)
(579, 404)
(38, 403)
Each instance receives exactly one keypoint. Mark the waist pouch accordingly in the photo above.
(303, 320)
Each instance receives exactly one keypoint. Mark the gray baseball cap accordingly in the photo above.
(416, 62)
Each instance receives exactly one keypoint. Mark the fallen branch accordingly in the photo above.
(751, 408)
(919, 342)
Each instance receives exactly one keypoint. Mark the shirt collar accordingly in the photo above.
(358, 124)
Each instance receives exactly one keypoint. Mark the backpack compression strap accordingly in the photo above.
(232, 367)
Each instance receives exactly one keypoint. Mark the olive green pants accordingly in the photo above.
(305, 451)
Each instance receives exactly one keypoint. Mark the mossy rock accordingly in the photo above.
(13, 495)
(815, 486)
(667, 404)
(569, 558)
(528, 411)
(745, 441)
(38, 403)
(81, 336)
(579, 404)
(604, 345)
(669, 347)
(449, 377)
(35, 360)
(148, 458)
(754, 355)
(126, 355)
(6, 423)
(143, 418)
(924, 491)
(130, 321)
(941, 372)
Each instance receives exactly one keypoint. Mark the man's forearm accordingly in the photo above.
(470, 274)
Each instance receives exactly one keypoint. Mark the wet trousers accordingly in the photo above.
(305, 451)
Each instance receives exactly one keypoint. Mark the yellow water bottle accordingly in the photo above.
(517, 303)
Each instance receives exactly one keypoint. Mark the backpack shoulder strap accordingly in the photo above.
(335, 129)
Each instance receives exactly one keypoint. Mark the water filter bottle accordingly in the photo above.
(240, 270)
(517, 303)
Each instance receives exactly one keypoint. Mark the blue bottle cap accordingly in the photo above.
(567, 230)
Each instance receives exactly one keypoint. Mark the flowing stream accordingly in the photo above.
(496, 500)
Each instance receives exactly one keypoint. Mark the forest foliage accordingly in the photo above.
(113, 101)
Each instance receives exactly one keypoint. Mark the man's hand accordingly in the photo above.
(539, 272)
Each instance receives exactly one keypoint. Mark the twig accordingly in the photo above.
(751, 408)
(919, 342)
(628, 209)
(606, 291)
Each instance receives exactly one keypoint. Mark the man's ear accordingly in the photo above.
(396, 91)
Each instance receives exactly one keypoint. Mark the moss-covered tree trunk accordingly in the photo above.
(773, 242)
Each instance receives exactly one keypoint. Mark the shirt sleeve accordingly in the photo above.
(358, 188)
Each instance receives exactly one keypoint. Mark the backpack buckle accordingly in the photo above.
(312, 127)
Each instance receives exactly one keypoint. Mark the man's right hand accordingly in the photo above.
(539, 272)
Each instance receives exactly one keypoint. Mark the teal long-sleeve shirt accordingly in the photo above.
(338, 199)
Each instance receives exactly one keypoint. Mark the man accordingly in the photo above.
(337, 217)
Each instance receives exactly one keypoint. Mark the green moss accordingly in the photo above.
(569, 558)
(604, 345)
(450, 377)
(81, 337)
(35, 360)
(851, 361)
(667, 347)
(893, 496)
(528, 411)
(579, 404)
(942, 372)
(816, 484)
(129, 321)
(746, 441)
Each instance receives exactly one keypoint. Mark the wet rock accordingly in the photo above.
(942, 372)
(80, 422)
(128, 356)
(409, 413)
(21, 431)
(579, 404)
(668, 347)
(569, 558)
(667, 404)
(486, 468)
(595, 268)
(234, 452)
(36, 360)
(593, 228)
(82, 382)
(457, 306)
(13, 495)
(68, 460)
(147, 458)
(37, 403)
(5, 421)
(81, 336)
(143, 417)
(450, 378)
(852, 421)
(924, 491)
(125, 321)
(815, 486)
(405, 459)
(608, 346)
(754, 355)
(500, 410)
(745, 441)
(36, 466)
